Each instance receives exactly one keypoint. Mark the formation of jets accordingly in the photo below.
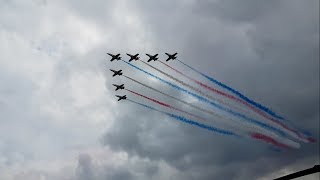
(134, 58)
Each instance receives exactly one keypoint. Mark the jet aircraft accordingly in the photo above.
(114, 57)
(154, 57)
(171, 56)
(118, 86)
(133, 57)
(121, 97)
(116, 73)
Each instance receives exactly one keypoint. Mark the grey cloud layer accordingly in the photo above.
(268, 50)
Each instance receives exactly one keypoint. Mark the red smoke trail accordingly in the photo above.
(268, 140)
(165, 105)
(242, 102)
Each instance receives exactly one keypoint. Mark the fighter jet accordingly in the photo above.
(133, 57)
(118, 86)
(171, 56)
(121, 97)
(114, 57)
(116, 73)
(154, 57)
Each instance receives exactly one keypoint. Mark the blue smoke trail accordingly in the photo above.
(265, 109)
(248, 119)
(191, 122)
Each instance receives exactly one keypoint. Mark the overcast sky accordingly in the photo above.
(60, 119)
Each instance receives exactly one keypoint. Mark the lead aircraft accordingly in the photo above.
(114, 57)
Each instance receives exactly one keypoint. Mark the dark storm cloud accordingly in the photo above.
(87, 169)
(268, 50)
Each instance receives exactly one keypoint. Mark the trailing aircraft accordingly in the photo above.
(116, 73)
(118, 86)
(121, 97)
(154, 57)
(114, 57)
(133, 57)
(171, 56)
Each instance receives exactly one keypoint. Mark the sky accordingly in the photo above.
(59, 116)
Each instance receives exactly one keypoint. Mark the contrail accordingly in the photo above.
(191, 122)
(191, 87)
(292, 132)
(265, 109)
(242, 117)
(165, 104)
(257, 136)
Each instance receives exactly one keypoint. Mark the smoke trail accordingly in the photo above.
(191, 122)
(165, 105)
(265, 109)
(191, 87)
(177, 99)
(242, 117)
(214, 129)
(292, 132)
(268, 140)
